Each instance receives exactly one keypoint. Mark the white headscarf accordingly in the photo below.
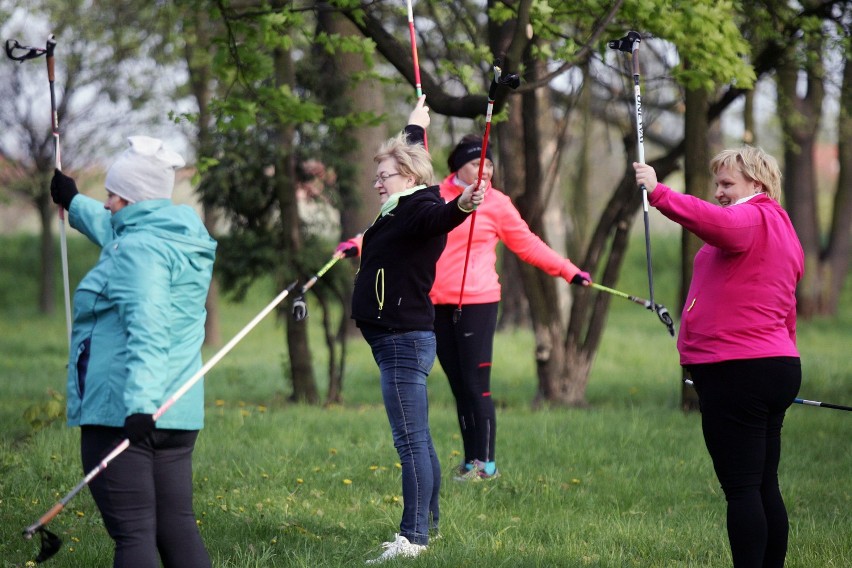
(146, 170)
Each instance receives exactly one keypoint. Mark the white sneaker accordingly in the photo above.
(400, 546)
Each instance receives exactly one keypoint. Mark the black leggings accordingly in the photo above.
(145, 497)
(742, 411)
(464, 351)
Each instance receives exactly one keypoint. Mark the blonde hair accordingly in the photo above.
(754, 164)
(411, 159)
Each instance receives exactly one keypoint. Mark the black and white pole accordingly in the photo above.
(630, 44)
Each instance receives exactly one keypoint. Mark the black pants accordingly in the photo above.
(742, 411)
(145, 497)
(464, 351)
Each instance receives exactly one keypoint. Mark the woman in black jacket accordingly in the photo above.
(391, 306)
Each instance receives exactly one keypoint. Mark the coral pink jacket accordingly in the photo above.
(742, 299)
(496, 220)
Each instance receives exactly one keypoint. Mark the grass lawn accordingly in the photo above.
(626, 482)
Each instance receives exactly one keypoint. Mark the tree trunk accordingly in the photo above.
(526, 153)
(301, 366)
(358, 199)
(697, 181)
(838, 249)
(800, 121)
(198, 27)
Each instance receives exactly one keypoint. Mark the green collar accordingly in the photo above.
(393, 200)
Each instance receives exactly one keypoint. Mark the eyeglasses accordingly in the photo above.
(385, 177)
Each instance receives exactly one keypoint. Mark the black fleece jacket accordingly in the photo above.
(398, 257)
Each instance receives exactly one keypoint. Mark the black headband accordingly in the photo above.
(466, 152)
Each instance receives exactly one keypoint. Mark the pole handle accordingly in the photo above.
(43, 520)
(51, 45)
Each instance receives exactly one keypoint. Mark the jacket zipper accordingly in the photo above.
(380, 290)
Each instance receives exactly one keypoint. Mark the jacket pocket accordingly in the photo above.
(82, 364)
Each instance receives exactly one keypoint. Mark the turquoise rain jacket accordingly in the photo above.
(139, 314)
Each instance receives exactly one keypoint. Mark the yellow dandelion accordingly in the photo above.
(398, 465)
(274, 540)
(241, 404)
(575, 481)
(71, 549)
(29, 563)
(261, 408)
(332, 451)
(245, 412)
(220, 402)
(455, 453)
(81, 514)
(75, 539)
(347, 482)
(198, 522)
(299, 480)
(264, 475)
(374, 467)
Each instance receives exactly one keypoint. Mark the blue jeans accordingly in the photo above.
(405, 359)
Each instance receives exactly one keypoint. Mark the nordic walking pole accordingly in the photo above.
(807, 402)
(512, 81)
(418, 87)
(63, 239)
(630, 44)
(39, 526)
(802, 401)
(20, 53)
(659, 309)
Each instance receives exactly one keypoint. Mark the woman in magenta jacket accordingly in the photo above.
(738, 338)
(464, 347)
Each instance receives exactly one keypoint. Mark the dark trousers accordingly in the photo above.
(465, 351)
(145, 497)
(742, 411)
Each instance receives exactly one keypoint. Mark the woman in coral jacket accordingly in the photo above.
(464, 348)
(738, 338)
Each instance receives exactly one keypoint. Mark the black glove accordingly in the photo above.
(62, 189)
(300, 308)
(138, 426)
(581, 278)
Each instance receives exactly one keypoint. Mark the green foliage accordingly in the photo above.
(41, 414)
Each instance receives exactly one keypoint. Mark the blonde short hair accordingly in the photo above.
(754, 164)
(411, 159)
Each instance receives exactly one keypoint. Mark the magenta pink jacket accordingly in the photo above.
(742, 298)
(496, 220)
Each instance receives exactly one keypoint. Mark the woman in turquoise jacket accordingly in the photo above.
(138, 329)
